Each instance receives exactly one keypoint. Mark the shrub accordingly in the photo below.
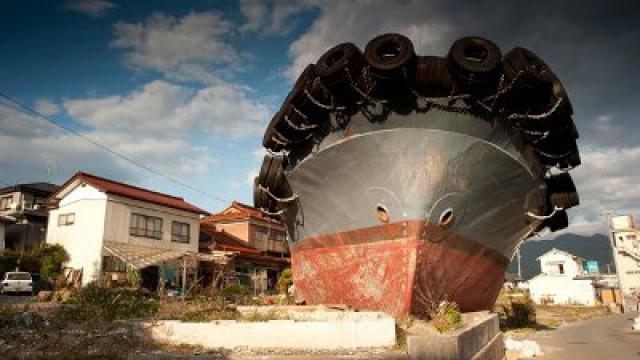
(51, 257)
(285, 280)
(519, 314)
(448, 317)
(234, 292)
(98, 303)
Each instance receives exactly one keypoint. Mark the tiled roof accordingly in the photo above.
(42, 188)
(215, 239)
(133, 192)
(238, 212)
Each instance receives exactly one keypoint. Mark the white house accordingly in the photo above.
(562, 280)
(104, 225)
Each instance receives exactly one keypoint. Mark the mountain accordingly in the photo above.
(594, 247)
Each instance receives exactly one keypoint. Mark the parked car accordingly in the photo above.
(17, 282)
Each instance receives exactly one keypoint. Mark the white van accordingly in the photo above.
(16, 282)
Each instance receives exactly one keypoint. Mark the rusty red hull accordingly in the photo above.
(397, 268)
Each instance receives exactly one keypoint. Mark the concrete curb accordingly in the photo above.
(331, 332)
(480, 340)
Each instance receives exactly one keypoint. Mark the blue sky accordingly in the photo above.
(187, 87)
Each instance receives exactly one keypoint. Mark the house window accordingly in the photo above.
(631, 237)
(66, 219)
(146, 226)
(5, 202)
(261, 235)
(179, 232)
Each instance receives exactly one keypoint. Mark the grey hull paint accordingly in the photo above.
(417, 166)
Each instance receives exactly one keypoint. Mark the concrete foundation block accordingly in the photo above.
(319, 331)
(479, 340)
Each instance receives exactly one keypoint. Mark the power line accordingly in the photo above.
(107, 149)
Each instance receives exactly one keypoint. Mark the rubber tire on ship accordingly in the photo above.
(558, 221)
(475, 64)
(432, 77)
(390, 56)
(257, 194)
(299, 99)
(531, 82)
(339, 66)
(561, 191)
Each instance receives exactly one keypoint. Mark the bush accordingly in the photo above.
(51, 257)
(448, 317)
(519, 314)
(98, 303)
(285, 280)
(234, 292)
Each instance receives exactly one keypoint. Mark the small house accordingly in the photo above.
(562, 280)
(109, 227)
(24, 203)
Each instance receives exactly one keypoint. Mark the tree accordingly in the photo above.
(52, 257)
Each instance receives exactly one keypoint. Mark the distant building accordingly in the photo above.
(107, 226)
(562, 280)
(25, 203)
(258, 242)
(626, 244)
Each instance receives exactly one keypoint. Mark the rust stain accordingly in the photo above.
(368, 272)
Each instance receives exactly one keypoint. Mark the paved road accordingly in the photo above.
(608, 338)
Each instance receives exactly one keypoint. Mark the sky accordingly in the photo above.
(188, 87)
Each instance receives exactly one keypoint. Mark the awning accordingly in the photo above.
(142, 256)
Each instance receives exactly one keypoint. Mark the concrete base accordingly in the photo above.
(309, 330)
(481, 339)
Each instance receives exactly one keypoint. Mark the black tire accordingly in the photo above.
(299, 99)
(257, 194)
(558, 221)
(332, 67)
(390, 56)
(338, 68)
(432, 77)
(531, 82)
(561, 191)
(274, 176)
(475, 64)
(272, 132)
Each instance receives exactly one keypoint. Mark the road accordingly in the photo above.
(608, 338)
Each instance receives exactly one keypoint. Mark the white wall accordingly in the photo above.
(118, 221)
(83, 239)
(563, 290)
(549, 261)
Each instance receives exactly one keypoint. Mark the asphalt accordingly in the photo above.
(608, 338)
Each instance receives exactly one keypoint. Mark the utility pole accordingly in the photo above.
(519, 262)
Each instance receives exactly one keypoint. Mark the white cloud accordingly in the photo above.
(93, 8)
(188, 48)
(275, 17)
(360, 21)
(32, 149)
(168, 110)
(46, 107)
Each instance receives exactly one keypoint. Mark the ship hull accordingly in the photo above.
(398, 268)
(415, 169)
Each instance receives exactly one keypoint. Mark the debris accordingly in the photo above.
(524, 348)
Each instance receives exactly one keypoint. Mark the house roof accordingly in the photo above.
(558, 251)
(129, 191)
(42, 188)
(239, 212)
(214, 239)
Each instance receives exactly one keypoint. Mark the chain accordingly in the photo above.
(276, 198)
